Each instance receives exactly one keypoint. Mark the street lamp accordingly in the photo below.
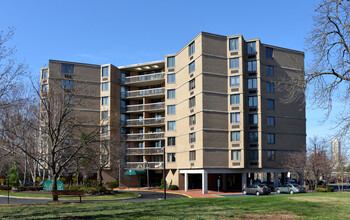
(119, 180)
(146, 164)
(164, 181)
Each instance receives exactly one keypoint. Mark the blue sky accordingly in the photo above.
(128, 32)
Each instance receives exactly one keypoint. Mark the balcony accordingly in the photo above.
(145, 122)
(145, 136)
(143, 80)
(145, 151)
(143, 165)
(159, 92)
(146, 107)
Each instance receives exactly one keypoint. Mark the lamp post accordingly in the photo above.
(119, 181)
(164, 181)
(146, 164)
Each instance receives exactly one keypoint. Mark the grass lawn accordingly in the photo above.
(120, 195)
(297, 206)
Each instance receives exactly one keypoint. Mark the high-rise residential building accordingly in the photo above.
(336, 151)
(214, 106)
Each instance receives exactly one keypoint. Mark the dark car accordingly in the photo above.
(257, 189)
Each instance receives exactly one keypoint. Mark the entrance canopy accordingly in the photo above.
(135, 172)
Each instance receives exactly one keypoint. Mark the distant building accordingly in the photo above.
(336, 151)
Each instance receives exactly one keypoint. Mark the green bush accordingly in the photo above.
(173, 187)
(325, 189)
(330, 189)
(91, 183)
(29, 188)
(4, 187)
(13, 175)
(113, 184)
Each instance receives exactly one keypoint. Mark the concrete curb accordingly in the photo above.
(182, 194)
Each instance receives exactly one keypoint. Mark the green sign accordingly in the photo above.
(48, 185)
(135, 172)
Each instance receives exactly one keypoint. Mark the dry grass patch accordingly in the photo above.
(275, 216)
(321, 199)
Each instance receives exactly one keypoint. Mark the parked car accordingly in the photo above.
(291, 189)
(332, 181)
(257, 189)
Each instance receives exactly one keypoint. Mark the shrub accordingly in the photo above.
(29, 188)
(113, 184)
(91, 183)
(330, 189)
(325, 189)
(4, 187)
(173, 187)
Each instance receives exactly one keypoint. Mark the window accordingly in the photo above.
(234, 63)
(68, 99)
(252, 65)
(105, 86)
(171, 109)
(171, 94)
(105, 71)
(67, 84)
(270, 87)
(105, 129)
(104, 115)
(252, 83)
(191, 48)
(44, 74)
(192, 84)
(233, 44)
(193, 155)
(235, 117)
(171, 125)
(235, 135)
(270, 104)
(253, 119)
(253, 137)
(270, 138)
(270, 121)
(192, 119)
(236, 155)
(192, 102)
(171, 157)
(192, 66)
(269, 52)
(193, 137)
(44, 88)
(234, 99)
(67, 68)
(104, 100)
(104, 145)
(251, 46)
(252, 101)
(140, 144)
(171, 78)
(170, 62)
(269, 71)
(271, 155)
(234, 81)
(171, 141)
(253, 155)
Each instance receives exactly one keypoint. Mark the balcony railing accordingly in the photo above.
(144, 78)
(145, 107)
(145, 136)
(146, 121)
(144, 151)
(145, 92)
(143, 165)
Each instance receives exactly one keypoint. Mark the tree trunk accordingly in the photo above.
(54, 187)
(100, 176)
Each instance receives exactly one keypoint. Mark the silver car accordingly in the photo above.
(291, 189)
(257, 189)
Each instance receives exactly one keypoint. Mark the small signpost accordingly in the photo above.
(48, 185)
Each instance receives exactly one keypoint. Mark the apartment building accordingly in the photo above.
(214, 107)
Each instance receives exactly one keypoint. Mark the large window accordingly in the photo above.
(67, 84)
(270, 138)
(234, 99)
(44, 88)
(269, 53)
(171, 78)
(192, 67)
(193, 155)
(234, 63)
(171, 109)
(171, 126)
(252, 83)
(270, 104)
(68, 99)
(171, 141)
(252, 101)
(234, 81)
(270, 87)
(251, 46)
(171, 94)
(253, 155)
(192, 48)
(105, 71)
(170, 62)
(104, 100)
(171, 157)
(253, 119)
(269, 71)
(192, 137)
(67, 68)
(235, 135)
(233, 44)
(271, 155)
(44, 74)
(253, 137)
(105, 129)
(252, 65)
(104, 115)
(270, 121)
(236, 155)
(192, 84)
(192, 102)
(235, 117)
(192, 119)
(105, 86)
